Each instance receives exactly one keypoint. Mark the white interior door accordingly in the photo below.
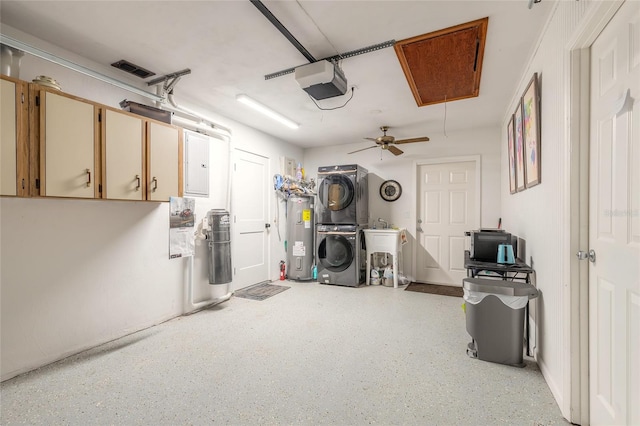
(447, 207)
(250, 213)
(614, 222)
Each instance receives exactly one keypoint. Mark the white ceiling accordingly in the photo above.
(230, 46)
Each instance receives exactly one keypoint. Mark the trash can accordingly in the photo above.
(219, 236)
(495, 314)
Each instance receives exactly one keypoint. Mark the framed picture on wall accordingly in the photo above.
(531, 132)
(519, 148)
(512, 156)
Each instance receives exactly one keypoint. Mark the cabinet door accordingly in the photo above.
(164, 159)
(123, 150)
(67, 147)
(14, 153)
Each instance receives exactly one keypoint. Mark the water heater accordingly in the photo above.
(300, 245)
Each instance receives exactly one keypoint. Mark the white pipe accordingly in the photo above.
(179, 108)
(10, 61)
(158, 98)
(9, 41)
(200, 127)
(223, 131)
(196, 306)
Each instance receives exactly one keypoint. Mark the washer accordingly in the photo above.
(340, 254)
(343, 195)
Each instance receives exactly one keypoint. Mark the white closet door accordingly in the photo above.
(614, 222)
(446, 210)
(250, 210)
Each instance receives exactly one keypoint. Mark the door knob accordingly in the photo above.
(590, 255)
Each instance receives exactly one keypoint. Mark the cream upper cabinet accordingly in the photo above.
(164, 161)
(59, 145)
(13, 138)
(67, 147)
(122, 156)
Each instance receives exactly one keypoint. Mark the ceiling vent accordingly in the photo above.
(134, 69)
(444, 65)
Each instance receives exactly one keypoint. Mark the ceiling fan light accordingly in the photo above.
(263, 109)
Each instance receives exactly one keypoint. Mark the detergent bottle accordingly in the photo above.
(387, 276)
(299, 172)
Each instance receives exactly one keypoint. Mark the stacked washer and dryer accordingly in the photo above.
(342, 212)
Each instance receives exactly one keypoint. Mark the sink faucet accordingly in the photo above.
(384, 222)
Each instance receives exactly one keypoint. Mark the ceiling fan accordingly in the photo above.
(389, 142)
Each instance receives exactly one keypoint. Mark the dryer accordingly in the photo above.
(343, 195)
(340, 254)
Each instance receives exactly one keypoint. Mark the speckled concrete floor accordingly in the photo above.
(314, 354)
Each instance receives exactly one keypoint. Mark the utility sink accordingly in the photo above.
(384, 241)
(390, 231)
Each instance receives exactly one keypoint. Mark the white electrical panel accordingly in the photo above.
(196, 164)
(288, 166)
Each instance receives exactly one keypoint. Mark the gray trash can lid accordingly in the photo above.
(509, 288)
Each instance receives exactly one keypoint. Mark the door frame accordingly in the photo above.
(576, 273)
(430, 161)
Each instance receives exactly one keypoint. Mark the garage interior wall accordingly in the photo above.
(383, 165)
(78, 273)
(540, 214)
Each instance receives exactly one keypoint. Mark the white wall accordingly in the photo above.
(540, 214)
(249, 139)
(384, 165)
(78, 273)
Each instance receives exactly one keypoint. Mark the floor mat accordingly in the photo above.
(260, 291)
(444, 290)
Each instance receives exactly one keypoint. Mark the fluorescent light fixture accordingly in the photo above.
(267, 111)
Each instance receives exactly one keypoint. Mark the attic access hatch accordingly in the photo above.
(444, 65)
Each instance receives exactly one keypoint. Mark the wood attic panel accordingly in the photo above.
(444, 65)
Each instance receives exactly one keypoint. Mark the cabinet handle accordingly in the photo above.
(89, 178)
(155, 184)
(139, 183)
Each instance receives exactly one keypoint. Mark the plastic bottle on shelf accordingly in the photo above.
(375, 277)
(388, 276)
(299, 172)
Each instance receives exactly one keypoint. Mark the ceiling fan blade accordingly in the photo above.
(372, 139)
(422, 139)
(395, 151)
(363, 149)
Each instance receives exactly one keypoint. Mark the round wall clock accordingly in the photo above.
(390, 190)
